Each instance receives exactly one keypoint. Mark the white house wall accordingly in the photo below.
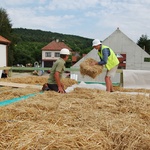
(135, 55)
(52, 55)
(3, 56)
(145, 66)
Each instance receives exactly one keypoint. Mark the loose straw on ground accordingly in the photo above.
(91, 70)
(83, 119)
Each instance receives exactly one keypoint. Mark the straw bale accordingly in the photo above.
(27, 80)
(91, 70)
(68, 82)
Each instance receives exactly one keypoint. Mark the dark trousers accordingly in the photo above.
(53, 87)
(4, 75)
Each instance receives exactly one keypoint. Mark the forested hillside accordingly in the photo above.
(28, 44)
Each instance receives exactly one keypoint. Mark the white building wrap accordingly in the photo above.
(3, 56)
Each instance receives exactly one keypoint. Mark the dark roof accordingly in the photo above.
(55, 45)
(4, 41)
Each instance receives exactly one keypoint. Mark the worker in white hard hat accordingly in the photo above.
(54, 80)
(107, 58)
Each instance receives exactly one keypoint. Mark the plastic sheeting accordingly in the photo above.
(133, 93)
(84, 85)
(10, 101)
(136, 79)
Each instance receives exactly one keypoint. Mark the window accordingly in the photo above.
(47, 54)
(119, 56)
(57, 54)
(122, 61)
(146, 59)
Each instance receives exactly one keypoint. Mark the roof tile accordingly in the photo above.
(54, 45)
(4, 40)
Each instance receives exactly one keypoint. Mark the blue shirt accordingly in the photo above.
(106, 53)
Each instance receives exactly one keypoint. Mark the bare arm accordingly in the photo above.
(59, 84)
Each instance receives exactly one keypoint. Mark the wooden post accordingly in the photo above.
(10, 72)
(121, 79)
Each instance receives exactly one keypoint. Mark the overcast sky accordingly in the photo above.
(87, 18)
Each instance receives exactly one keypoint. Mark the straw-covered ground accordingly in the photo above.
(80, 120)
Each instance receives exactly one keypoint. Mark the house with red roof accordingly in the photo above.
(3, 51)
(51, 52)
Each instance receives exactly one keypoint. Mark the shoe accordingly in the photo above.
(45, 87)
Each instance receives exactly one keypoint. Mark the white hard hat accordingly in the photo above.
(96, 42)
(65, 51)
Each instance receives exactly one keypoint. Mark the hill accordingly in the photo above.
(28, 43)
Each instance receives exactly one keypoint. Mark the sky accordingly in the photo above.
(94, 19)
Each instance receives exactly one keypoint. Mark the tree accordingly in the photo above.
(5, 31)
(144, 43)
(5, 25)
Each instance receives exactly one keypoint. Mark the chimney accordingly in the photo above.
(57, 40)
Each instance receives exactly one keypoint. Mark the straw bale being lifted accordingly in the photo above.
(91, 70)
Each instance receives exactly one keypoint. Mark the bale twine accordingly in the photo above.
(91, 70)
